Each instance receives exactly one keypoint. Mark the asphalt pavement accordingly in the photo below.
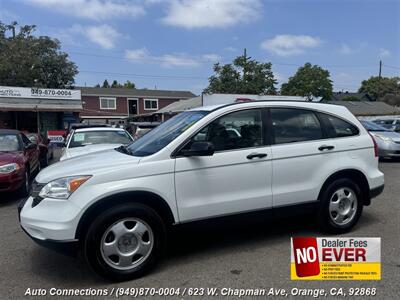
(248, 254)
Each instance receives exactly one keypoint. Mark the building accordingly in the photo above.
(38, 109)
(347, 96)
(116, 105)
(368, 108)
(215, 99)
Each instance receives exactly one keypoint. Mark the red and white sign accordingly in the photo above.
(327, 258)
(56, 136)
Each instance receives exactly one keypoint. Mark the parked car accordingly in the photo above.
(141, 128)
(19, 159)
(46, 149)
(392, 124)
(118, 204)
(93, 139)
(388, 141)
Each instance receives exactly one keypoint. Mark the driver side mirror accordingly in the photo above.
(199, 149)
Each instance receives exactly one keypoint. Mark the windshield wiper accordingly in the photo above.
(124, 149)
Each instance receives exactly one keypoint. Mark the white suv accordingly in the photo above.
(117, 205)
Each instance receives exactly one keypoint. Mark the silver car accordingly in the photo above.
(388, 141)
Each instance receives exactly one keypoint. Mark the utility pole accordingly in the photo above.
(380, 77)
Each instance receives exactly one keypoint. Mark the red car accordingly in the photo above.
(19, 159)
(45, 148)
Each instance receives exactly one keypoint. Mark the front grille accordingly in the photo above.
(35, 190)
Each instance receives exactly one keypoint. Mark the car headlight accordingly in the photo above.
(8, 168)
(384, 138)
(62, 188)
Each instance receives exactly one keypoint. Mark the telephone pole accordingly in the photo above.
(380, 69)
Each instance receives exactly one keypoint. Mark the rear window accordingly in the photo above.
(80, 139)
(295, 125)
(336, 127)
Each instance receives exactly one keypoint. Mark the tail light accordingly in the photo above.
(375, 145)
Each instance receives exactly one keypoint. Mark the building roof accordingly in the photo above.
(338, 96)
(139, 93)
(181, 105)
(367, 108)
(24, 104)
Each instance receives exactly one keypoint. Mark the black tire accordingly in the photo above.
(325, 217)
(23, 190)
(94, 238)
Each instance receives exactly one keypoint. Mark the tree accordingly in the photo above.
(351, 98)
(243, 76)
(310, 82)
(115, 84)
(31, 61)
(391, 99)
(378, 87)
(105, 84)
(129, 85)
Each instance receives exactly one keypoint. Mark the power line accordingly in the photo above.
(391, 67)
(163, 59)
(145, 75)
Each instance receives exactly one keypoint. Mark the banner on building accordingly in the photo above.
(22, 92)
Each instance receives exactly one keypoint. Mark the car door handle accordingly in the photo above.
(259, 155)
(325, 147)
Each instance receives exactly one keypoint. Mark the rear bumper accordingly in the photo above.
(375, 192)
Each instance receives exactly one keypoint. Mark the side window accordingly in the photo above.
(337, 127)
(25, 140)
(295, 125)
(242, 129)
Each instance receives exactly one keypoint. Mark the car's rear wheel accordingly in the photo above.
(341, 205)
(124, 242)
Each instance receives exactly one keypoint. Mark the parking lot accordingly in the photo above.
(240, 255)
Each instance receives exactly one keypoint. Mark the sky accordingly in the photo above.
(173, 44)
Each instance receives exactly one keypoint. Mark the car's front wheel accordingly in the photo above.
(24, 188)
(341, 205)
(124, 242)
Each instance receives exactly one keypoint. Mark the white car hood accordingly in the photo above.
(91, 164)
(77, 151)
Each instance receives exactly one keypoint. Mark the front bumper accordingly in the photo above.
(389, 149)
(50, 219)
(12, 181)
(66, 247)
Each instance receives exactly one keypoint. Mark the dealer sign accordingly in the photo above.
(353, 258)
(21, 92)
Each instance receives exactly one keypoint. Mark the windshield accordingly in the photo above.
(80, 139)
(165, 133)
(371, 126)
(9, 142)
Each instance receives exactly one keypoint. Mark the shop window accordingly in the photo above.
(108, 103)
(151, 104)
